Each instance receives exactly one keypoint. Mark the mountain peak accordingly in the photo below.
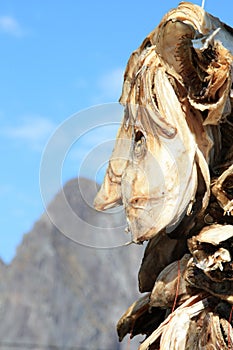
(65, 293)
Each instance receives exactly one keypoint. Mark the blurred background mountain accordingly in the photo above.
(56, 294)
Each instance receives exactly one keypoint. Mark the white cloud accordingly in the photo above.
(110, 84)
(10, 25)
(34, 131)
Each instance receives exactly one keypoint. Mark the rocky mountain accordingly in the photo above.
(61, 294)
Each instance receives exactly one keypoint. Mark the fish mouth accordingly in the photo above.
(145, 217)
(101, 205)
(145, 202)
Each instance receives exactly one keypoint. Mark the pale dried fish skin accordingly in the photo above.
(214, 261)
(215, 234)
(173, 331)
(211, 336)
(170, 286)
(167, 156)
(156, 258)
(109, 194)
(221, 194)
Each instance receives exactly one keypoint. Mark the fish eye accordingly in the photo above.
(147, 44)
(139, 143)
(138, 136)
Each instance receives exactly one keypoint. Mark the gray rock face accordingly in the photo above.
(59, 293)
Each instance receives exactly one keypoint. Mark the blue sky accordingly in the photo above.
(59, 58)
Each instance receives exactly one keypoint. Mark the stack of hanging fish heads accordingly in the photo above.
(172, 170)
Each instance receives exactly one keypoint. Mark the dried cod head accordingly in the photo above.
(173, 332)
(140, 318)
(154, 180)
(211, 248)
(196, 277)
(170, 286)
(176, 89)
(199, 48)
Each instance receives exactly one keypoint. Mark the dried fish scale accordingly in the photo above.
(171, 168)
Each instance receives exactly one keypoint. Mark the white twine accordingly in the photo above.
(203, 4)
